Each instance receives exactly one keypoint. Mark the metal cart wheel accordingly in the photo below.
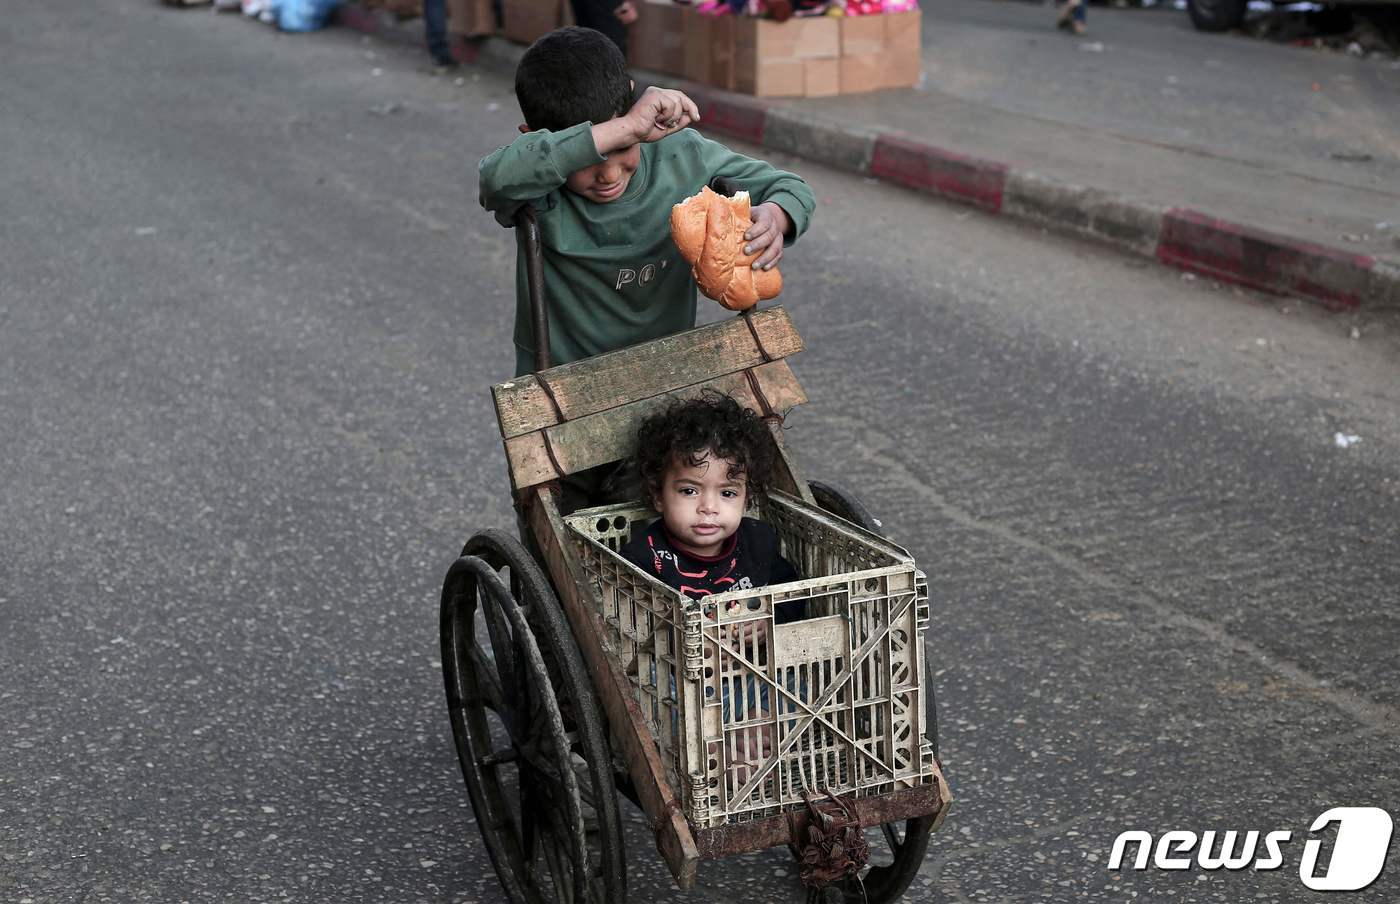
(541, 783)
(843, 504)
(895, 863)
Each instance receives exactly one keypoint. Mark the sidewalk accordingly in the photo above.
(1263, 180)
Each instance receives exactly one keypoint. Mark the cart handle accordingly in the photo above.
(534, 280)
(723, 185)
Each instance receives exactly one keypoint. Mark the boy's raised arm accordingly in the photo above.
(531, 167)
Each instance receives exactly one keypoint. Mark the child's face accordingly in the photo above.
(605, 182)
(701, 504)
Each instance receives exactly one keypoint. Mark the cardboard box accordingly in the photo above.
(696, 31)
(817, 37)
(902, 30)
(771, 59)
(862, 35)
(656, 41)
(862, 72)
(904, 50)
(672, 38)
(771, 78)
(527, 20)
(814, 56)
(807, 38)
(642, 52)
(723, 52)
(708, 53)
(882, 51)
(470, 18)
(821, 78)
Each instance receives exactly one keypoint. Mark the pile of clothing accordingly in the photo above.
(785, 9)
(288, 15)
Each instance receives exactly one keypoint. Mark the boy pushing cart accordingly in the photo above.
(571, 673)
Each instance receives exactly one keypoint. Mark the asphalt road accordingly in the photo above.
(248, 317)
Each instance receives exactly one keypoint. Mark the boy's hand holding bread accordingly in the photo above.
(731, 248)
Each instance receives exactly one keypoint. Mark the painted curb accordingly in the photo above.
(843, 148)
(1385, 285)
(743, 117)
(1177, 237)
(1134, 226)
(1263, 260)
(924, 167)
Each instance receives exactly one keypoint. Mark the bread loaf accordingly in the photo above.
(709, 228)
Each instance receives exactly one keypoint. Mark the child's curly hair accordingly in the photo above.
(686, 427)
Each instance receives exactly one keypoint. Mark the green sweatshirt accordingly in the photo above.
(612, 275)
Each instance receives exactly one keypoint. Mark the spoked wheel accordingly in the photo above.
(895, 856)
(894, 861)
(529, 732)
(843, 504)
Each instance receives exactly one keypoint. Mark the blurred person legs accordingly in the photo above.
(1073, 16)
(435, 32)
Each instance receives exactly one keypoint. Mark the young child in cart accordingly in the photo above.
(705, 462)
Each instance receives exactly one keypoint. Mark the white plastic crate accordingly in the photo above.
(844, 687)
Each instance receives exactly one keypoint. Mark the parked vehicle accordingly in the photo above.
(1223, 15)
(1216, 15)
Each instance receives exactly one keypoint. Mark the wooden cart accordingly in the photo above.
(551, 715)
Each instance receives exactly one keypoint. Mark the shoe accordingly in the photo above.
(1077, 27)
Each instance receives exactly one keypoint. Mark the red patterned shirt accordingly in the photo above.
(750, 558)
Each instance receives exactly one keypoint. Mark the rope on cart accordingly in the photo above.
(758, 341)
(549, 393)
(769, 414)
(549, 450)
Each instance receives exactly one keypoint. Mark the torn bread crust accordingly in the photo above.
(709, 228)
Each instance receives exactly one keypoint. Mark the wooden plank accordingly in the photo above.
(945, 797)
(609, 436)
(641, 371)
(786, 477)
(673, 836)
(775, 328)
(528, 460)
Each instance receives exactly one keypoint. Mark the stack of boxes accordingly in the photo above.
(470, 18)
(881, 51)
(799, 57)
(525, 20)
(802, 57)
